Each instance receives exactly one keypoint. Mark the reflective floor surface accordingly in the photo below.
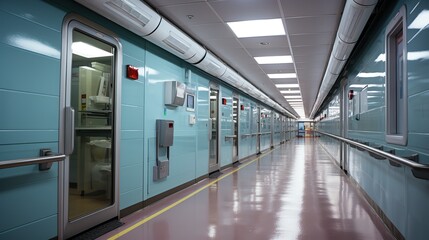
(292, 192)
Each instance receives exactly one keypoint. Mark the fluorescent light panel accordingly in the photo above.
(293, 96)
(290, 85)
(282, 75)
(88, 51)
(274, 59)
(294, 100)
(258, 28)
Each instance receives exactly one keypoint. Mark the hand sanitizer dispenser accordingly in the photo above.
(174, 93)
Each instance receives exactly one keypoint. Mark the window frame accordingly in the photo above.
(395, 27)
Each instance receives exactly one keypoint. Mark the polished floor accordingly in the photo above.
(292, 192)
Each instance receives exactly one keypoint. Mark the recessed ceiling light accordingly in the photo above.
(88, 51)
(294, 100)
(290, 85)
(258, 28)
(290, 91)
(274, 59)
(282, 75)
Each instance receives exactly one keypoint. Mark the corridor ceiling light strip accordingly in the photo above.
(289, 85)
(293, 96)
(282, 75)
(274, 59)
(258, 28)
(290, 91)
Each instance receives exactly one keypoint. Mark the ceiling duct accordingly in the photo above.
(233, 78)
(355, 16)
(212, 65)
(140, 19)
(170, 38)
(130, 14)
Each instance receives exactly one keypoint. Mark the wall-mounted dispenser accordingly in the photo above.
(174, 93)
(164, 140)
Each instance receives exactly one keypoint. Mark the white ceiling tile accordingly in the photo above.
(312, 39)
(318, 24)
(261, 52)
(293, 8)
(212, 30)
(311, 50)
(190, 14)
(240, 10)
(216, 43)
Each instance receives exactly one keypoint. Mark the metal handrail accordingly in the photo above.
(30, 161)
(419, 170)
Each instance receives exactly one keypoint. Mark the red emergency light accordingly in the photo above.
(132, 72)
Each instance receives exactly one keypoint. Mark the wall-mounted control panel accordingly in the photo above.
(164, 140)
(174, 93)
(165, 132)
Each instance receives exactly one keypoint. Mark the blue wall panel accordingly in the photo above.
(202, 116)
(30, 42)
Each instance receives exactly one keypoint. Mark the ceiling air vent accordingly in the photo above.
(131, 10)
(212, 65)
(170, 38)
(176, 43)
(130, 14)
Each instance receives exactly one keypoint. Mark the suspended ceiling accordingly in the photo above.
(310, 27)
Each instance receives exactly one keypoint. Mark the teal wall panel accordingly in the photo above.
(130, 198)
(26, 71)
(29, 36)
(38, 12)
(39, 230)
(27, 202)
(30, 43)
(202, 125)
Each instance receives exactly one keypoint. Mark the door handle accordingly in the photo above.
(69, 131)
(210, 129)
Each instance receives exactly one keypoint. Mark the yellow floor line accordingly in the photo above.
(143, 221)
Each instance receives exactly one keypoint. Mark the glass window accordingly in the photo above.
(396, 80)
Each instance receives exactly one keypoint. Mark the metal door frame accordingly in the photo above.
(67, 229)
(216, 87)
(236, 138)
(258, 130)
(344, 125)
